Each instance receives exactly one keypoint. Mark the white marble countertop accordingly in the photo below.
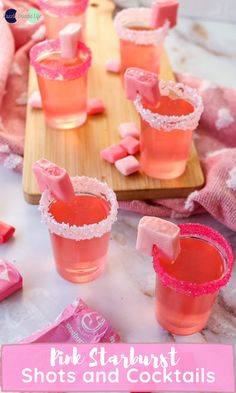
(124, 294)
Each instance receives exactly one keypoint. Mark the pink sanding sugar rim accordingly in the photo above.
(60, 72)
(85, 185)
(78, 7)
(187, 122)
(192, 289)
(139, 17)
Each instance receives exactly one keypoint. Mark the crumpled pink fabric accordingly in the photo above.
(216, 144)
(15, 42)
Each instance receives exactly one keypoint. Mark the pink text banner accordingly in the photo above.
(117, 367)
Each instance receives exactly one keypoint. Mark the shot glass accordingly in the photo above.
(58, 14)
(186, 289)
(80, 229)
(62, 83)
(167, 128)
(140, 45)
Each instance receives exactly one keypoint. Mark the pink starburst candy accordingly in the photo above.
(112, 65)
(76, 324)
(10, 279)
(69, 38)
(129, 129)
(128, 165)
(113, 153)
(163, 11)
(35, 100)
(95, 106)
(145, 83)
(130, 144)
(6, 232)
(56, 179)
(155, 231)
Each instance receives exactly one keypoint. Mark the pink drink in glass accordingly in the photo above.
(62, 84)
(140, 45)
(186, 288)
(58, 14)
(166, 130)
(80, 229)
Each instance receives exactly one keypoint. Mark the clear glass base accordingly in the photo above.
(66, 122)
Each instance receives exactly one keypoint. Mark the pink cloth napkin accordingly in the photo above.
(15, 41)
(216, 144)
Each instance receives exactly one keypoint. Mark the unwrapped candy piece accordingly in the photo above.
(56, 179)
(35, 100)
(6, 232)
(128, 129)
(113, 65)
(163, 11)
(76, 324)
(145, 83)
(113, 153)
(128, 165)
(155, 231)
(10, 279)
(130, 144)
(95, 106)
(69, 39)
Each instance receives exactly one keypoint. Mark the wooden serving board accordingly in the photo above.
(78, 150)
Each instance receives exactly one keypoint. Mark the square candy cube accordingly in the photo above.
(95, 106)
(112, 65)
(163, 11)
(10, 279)
(130, 144)
(113, 153)
(127, 165)
(128, 129)
(6, 232)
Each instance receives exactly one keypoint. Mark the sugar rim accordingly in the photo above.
(77, 8)
(85, 185)
(139, 37)
(170, 123)
(192, 289)
(61, 72)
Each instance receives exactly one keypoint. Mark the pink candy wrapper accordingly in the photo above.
(10, 279)
(76, 324)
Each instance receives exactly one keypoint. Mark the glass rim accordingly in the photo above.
(168, 123)
(64, 10)
(61, 72)
(139, 37)
(81, 184)
(209, 234)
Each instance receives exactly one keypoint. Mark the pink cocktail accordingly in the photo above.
(186, 288)
(62, 83)
(58, 14)
(166, 129)
(80, 228)
(140, 45)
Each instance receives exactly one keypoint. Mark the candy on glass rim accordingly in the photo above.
(6, 232)
(113, 153)
(35, 100)
(56, 179)
(95, 106)
(112, 65)
(69, 38)
(127, 165)
(164, 234)
(10, 279)
(130, 144)
(164, 10)
(129, 129)
(144, 83)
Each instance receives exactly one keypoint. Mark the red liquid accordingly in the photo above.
(199, 262)
(64, 101)
(80, 261)
(164, 154)
(146, 57)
